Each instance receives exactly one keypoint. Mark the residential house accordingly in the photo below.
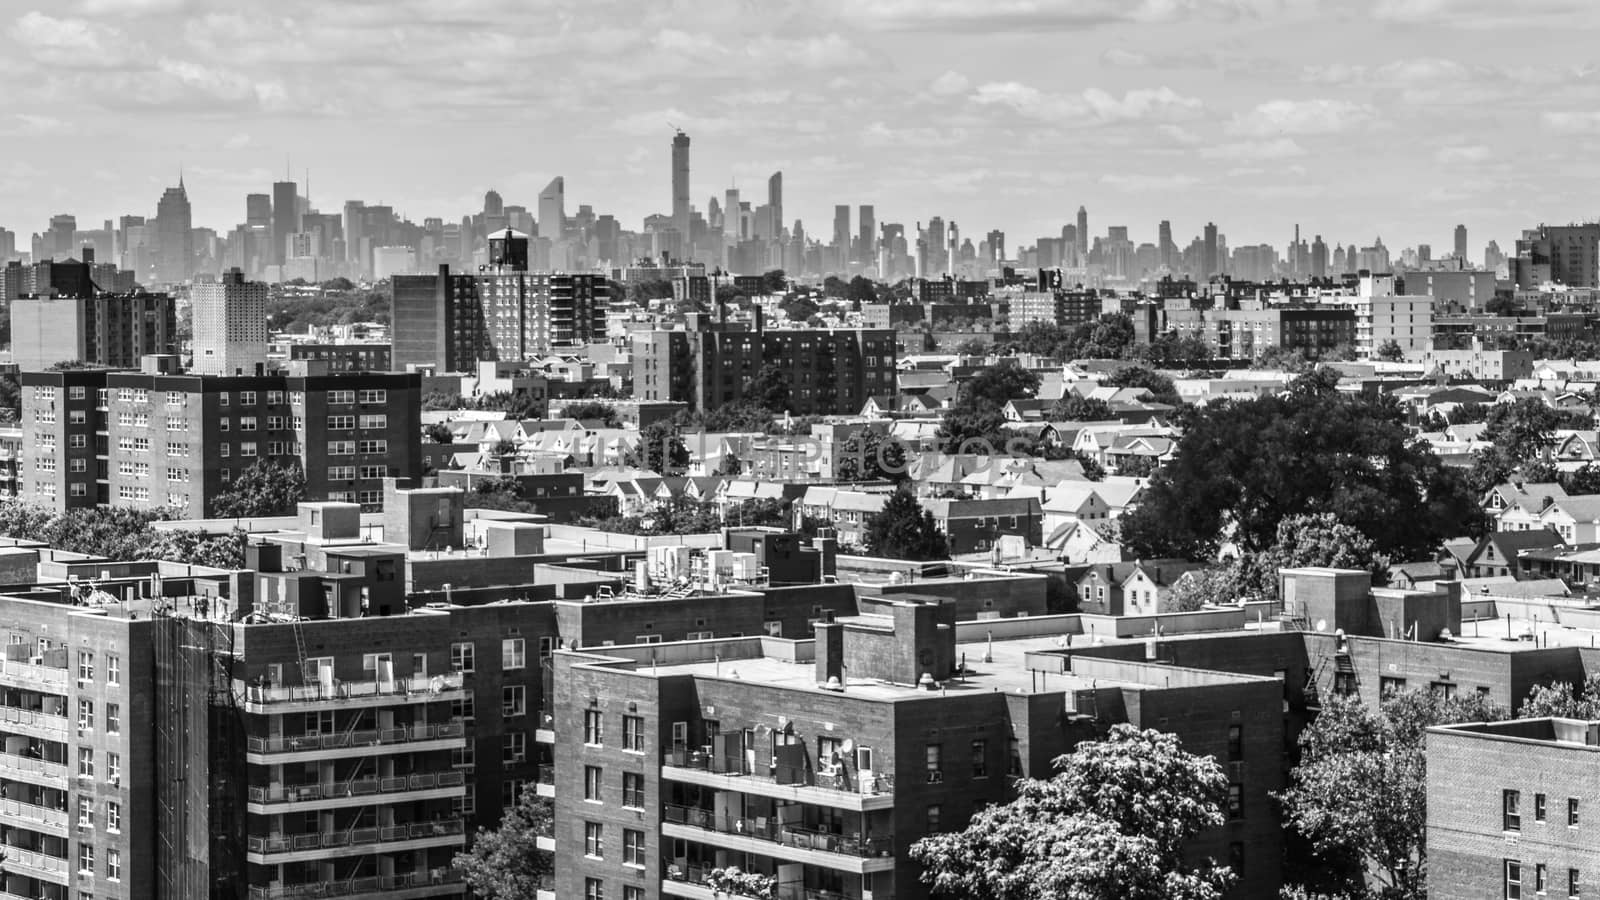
(1576, 519)
(1101, 589)
(1411, 576)
(1499, 553)
(975, 526)
(1082, 542)
(850, 512)
(1147, 588)
(1069, 503)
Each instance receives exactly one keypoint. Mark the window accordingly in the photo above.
(632, 892)
(1574, 883)
(247, 398)
(935, 816)
(632, 848)
(1511, 810)
(374, 396)
(461, 657)
(513, 653)
(114, 768)
(85, 666)
(375, 421)
(1538, 807)
(1344, 683)
(464, 709)
(85, 715)
(339, 448)
(593, 727)
(1014, 758)
(247, 448)
(113, 864)
(592, 776)
(1235, 801)
(341, 423)
(86, 858)
(933, 755)
(514, 747)
(1236, 858)
(1572, 812)
(247, 423)
(594, 889)
(336, 397)
(593, 843)
(374, 472)
(1235, 743)
(980, 761)
(513, 700)
(1443, 688)
(341, 473)
(372, 446)
(462, 757)
(85, 762)
(85, 812)
(1540, 875)
(113, 718)
(633, 790)
(113, 815)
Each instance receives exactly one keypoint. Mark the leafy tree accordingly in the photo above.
(506, 863)
(1138, 466)
(1501, 305)
(1112, 337)
(730, 466)
(861, 290)
(741, 415)
(1287, 359)
(834, 286)
(504, 447)
(1242, 467)
(1160, 386)
(1525, 430)
(1074, 407)
(1390, 351)
(340, 284)
(973, 347)
(262, 489)
(1214, 585)
(1112, 824)
(869, 455)
(1092, 469)
(661, 449)
(1559, 700)
(1359, 793)
(774, 282)
(640, 293)
(437, 400)
(1582, 481)
(995, 386)
(904, 530)
(770, 388)
(439, 434)
(10, 398)
(605, 412)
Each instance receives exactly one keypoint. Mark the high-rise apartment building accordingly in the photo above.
(1083, 235)
(230, 325)
(680, 184)
(1210, 254)
(841, 231)
(1565, 254)
(868, 236)
(1461, 242)
(451, 322)
(285, 218)
(1166, 250)
(775, 203)
(112, 330)
(553, 209)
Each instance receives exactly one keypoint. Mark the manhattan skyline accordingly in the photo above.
(1252, 113)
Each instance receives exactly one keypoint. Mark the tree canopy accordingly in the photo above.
(869, 455)
(770, 389)
(594, 409)
(506, 863)
(1074, 407)
(661, 449)
(120, 533)
(261, 489)
(904, 530)
(1080, 835)
(1242, 467)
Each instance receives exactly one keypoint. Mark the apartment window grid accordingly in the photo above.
(633, 790)
(513, 700)
(593, 727)
(461, 657)
(1510, 810)
(633, 850)
(593, 840)
(594, 889)
(592, 777)
(85, 666)
(513, 653)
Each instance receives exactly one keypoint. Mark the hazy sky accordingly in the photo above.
(1355, 118)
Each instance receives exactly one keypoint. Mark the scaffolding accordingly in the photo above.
(200, 763)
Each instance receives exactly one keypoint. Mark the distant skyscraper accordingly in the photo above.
(841, 233)
(1209, 252)
(285, 218)
(1083, 235)
(258, 210)
(553, 209)
(680, 184)
(174, 238)
(1165, 249)
(493, 205)
(868, 235)
(775, 201)
(1492, 257)
(61, 241)
(230, 325)
(997, 245)
(1461, 242)
(1319, 258)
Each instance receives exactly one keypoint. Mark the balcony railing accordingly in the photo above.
(547, 774)
(33, 859)
(373, 885)
(353, 690)
(13, 763)
(34, 673)
(297, 843)
(364, 738)
(31, 812)
(765, 829)
(360, 787)
(701, 876)
(837, 779)
(14, 715)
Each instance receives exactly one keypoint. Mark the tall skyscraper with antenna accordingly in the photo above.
(680, 186)
(174, 235)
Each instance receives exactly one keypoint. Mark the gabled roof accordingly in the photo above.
(971, 509)
(1582, 508)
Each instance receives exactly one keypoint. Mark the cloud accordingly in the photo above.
(1255, 151)
(1132, 59)
(879, 134)
(1480, 14)
(68, 43)
(1092, 105)
(996, 16)
(1300, 117)
(29, 124)
(132, 7)
(1141, 184)
(1473, 153)
(1571, 122)
(237, 142)
(949, 84)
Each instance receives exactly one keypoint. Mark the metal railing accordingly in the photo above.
(26, 671)
(364, 738)
(778, 833)
(33, 859)
(837, 778)
(700, 875)
(32, 812)
(374, 884)
(296, 843)
(12, 762)
(353, 690)
(14, 715)
(360, 787)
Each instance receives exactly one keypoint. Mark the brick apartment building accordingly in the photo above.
(710, 363)
(154, 440)
(111, 330)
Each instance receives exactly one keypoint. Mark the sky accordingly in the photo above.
(1356, 119)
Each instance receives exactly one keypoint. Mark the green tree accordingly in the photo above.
(904, 530)
(730, 467)
(439, 434)
(661, 449)
(1160, 386)
(1112, 824)
(973, 347)
(1074, 407)
(869, 455)
(10, 398)
(1525, 430)
(774, 282)
(605, 412)
(770, 388)
(1359, 794)
(1582, 481)
(261, 489)
(1242, 467)
(741, 415)
(1390, 351)
(861, 290)
(1559, 700)
(506, 863)
(1214, 585)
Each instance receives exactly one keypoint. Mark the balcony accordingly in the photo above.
(692, 883)
(33, 817)
(357, 792)
(545, 781)
(273, 849)
(802, 784)
(33, 675)
(34, 771)
(34, 723)
(34, 864)
(766, 837)
(397, 887)
(317, 696)
(313, 747)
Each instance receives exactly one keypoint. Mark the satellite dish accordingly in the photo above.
(1322, 624)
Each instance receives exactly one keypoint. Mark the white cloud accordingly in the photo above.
(1300, 117)
(1157, 104)
(1479, 14)
(132, 7)
(1571, 122)
(949, 84)
(237, 142)
(29, 124)
(1255, 151)
(1140, 184)
(1051, 15)
(69, 43)
(1472, 153)
(1118, 56)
